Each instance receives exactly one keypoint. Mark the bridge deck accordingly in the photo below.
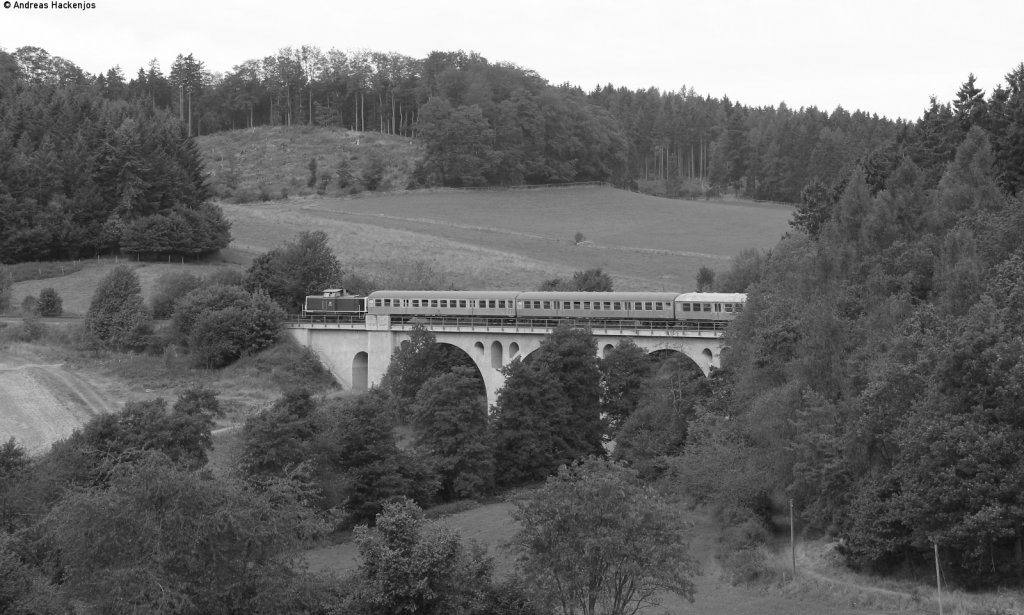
(653, 328)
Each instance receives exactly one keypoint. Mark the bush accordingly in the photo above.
(28, 330)
(50, 303)
(213, 298)
(222, 336)
(30, 306)
(171, 287)
(225, 277)
(287, 365)
(117, 316)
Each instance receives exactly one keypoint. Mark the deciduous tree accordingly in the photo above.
(595, 540)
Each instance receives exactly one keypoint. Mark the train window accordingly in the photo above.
(597, 305)
(462, 303)
(586, 305)
(433, 303)
(718, 307)
(617, 306)
(444, 303)
(547, 305)
(501, 303)
(739, 307)
(707, 307)
(387, 303)
(575, 305)
(607, 305)
(566, 305)
(686, 307)
(728, 307)
(416, 303)
(647, 305)
(657, 306)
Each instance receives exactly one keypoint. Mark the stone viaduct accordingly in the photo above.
(358, 353)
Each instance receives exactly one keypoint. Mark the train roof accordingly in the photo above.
(443, 294)
(713, 297)
(596, 296)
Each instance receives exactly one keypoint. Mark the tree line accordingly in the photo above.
(486, 123)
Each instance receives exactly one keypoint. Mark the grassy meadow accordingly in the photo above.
(515, 239)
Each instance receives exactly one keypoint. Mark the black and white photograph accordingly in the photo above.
(512, 308)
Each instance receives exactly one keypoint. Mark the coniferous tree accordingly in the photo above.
(117, 317)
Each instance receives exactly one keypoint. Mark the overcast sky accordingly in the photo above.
(881, 56)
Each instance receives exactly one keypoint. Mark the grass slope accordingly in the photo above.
(517, 238)
(274, 161)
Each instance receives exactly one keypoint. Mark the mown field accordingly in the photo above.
(515, 239)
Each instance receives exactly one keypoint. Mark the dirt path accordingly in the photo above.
(42, 403)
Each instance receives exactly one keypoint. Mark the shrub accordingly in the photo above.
(171, 287)
(225, 277)
(219, 337)
(117, 316)
(30, 306)
(50, 303)
(213, 298)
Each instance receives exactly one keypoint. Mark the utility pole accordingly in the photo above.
(938, 575)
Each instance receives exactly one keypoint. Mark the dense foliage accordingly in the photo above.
(82, 174)
(450, 419)
(220, 324)
(306, 266)
(489, 123)
(548, 412)
(595, 540)
(875, 370)
(412, 566)
(117, 317)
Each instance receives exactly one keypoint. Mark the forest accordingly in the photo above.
(82, 175)
(496, 123)
(875, 375)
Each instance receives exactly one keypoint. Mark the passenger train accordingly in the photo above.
(653, 306)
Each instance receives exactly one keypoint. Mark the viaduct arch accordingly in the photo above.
(358, 354)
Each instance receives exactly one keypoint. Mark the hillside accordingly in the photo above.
(519, 237)
(273, 162)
